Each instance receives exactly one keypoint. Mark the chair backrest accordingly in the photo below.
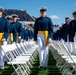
(20, 49)
(5, 49)
(11, 52)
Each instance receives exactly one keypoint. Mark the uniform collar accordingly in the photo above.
(66, 24)
(14, 22)
(43, 17)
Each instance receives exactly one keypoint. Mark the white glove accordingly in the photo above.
(19, 37)
(32, 39)
(14, 43)
(36, 42)
(3, 39)
(50, 40)
(21, 40)
(62, 41)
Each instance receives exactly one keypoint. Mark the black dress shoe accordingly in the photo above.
(1, 69)
(45, 68)
(41, 67)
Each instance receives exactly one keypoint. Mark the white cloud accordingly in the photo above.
(54, 17)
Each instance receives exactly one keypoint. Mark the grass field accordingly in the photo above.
(52, 69)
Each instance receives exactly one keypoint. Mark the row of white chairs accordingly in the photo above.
(20, 56)
(64, 60)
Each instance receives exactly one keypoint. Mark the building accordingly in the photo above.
(25, 17)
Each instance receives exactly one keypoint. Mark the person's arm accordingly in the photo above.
(20, 30)
(70, 31)
(35, 30)
(7, 28)
(22, 33)
(50, 29)
(32, 34)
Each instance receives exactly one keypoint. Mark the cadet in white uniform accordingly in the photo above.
(4, 31)
(73, 34)
(42, 31)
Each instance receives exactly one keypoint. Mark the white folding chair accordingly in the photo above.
(15, 58)
(63, 55)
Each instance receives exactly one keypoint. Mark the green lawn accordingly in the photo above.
(52, 69)
(7, 71)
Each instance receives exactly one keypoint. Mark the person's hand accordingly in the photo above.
(21, 40)
(36, 42)
(19, 37)
(50, 40)
(3, 39)
(32, 39)
(62, 41)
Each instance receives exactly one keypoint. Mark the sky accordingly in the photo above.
(57, 9)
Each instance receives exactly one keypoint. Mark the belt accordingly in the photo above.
(11, 37)
(42, 32)
(1, 36)
(46, 36)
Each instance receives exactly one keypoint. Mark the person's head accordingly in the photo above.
(67, 20)
(43, 11)
(29, 28)
(25, 27)
(1, 11)
(15, 17)
(74, 15)
(9, 18)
